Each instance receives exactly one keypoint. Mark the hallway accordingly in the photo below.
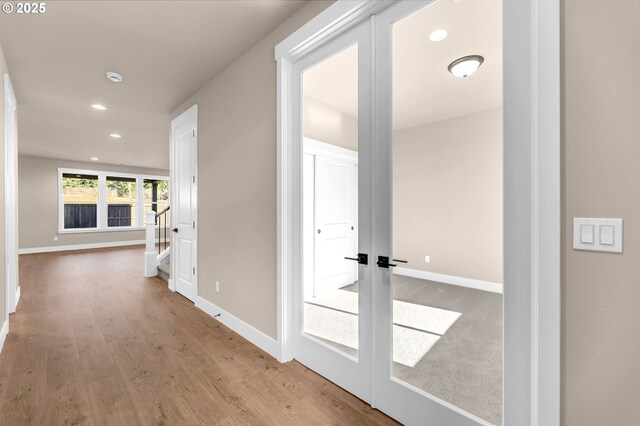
(94, 342)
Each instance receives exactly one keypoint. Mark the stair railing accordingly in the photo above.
(156, 225)
(162, 222)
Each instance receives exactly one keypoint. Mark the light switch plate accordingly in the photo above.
(607, 234)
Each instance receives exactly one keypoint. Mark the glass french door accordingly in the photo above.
(438, 212)
(333, 299)
(399, 269)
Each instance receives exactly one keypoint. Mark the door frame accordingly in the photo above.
(12, 292)
(531, 50)
(186, 116)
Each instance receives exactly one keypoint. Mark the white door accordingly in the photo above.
(335, 224)
(184, 244)
(381, 369)
(332, 327)
(11, 209)
(438, 360)
(320, 204)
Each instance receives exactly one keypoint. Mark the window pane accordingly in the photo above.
(121, 200)
(156, 198)
(447, 205)
(156, 191)
(330, 285)
(80, 198)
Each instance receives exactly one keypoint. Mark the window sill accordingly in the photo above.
(98, 230)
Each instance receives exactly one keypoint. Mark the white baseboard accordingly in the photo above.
(17, 296)
(254, 336)
(450, 279)
(3, 333)
(81, 246)
(172, 285)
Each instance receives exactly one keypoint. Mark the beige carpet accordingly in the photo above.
(416, 329)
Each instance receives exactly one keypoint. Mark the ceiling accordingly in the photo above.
(166, 51)
(424, 91)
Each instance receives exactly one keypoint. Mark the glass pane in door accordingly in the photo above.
(330, 201)
(447, 204)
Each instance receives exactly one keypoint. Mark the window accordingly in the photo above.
(156, 197)
(93, 201)
(80, 199)
(121, 201)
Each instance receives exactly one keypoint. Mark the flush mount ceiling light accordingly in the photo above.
(438, 35)
(114, 76)
(99, 107)
(94, 158)
(115, 135)
(465, 66)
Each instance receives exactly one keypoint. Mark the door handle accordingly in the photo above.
(363, 258)
(175, 230)
(400, 261)
(383, 262)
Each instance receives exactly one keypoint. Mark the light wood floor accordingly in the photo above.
(94, 342)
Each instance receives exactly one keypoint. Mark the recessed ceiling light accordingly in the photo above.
(99, 107)
(115, 135)
(438, 35)
(114, 76)
(465, 66)
(94, 158)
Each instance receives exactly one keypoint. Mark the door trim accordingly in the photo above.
(12, 292)
(188, 115)
(532, 196)
(543, 182)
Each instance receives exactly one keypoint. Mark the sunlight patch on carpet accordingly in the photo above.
(417, 328)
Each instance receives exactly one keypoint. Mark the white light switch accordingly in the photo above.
(586, 234)
(597, 234)
(607, 235)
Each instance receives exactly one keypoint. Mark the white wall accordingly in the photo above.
(329, 125)
(447, 187)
